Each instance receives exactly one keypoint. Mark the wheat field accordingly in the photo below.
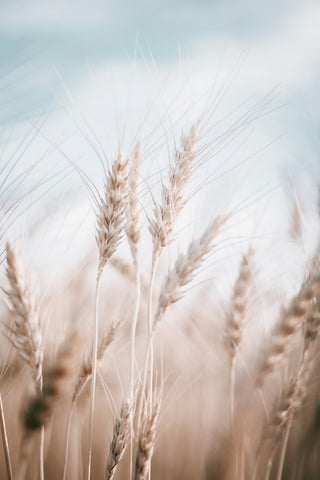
(148, 365)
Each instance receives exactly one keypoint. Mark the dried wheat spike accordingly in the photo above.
(290, 320)
(236, 318)
(110, 216)
(133, 212)
(56, 383)
(27, 337)
(86, 367)
(172, 201)
(120, 440)
(146, 443)
(185, 267)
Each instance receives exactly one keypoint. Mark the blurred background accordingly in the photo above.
(78, 78)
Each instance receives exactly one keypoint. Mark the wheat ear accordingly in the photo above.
(27, 337)
(290, 320)
(111, 208)
(172, 195)
(120, 440)
(146, 442)
(109, 231)
(184, 269)
(236, 320)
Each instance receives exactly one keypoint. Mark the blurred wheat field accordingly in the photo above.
(159, 364)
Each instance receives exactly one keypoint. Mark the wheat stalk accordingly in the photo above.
(133, 231)
(109, 231)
